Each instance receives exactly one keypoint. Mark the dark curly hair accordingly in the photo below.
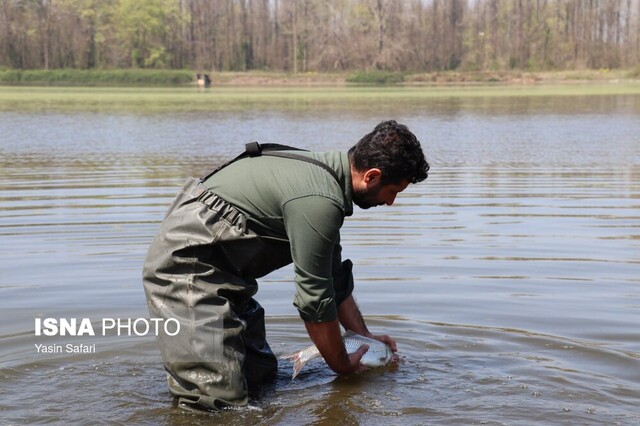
(392, 148)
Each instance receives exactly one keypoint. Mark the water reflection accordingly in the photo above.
(188, 104)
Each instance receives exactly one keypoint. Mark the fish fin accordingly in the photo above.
(292, 356)
(350, 333)
(297, 366)
(297, 362)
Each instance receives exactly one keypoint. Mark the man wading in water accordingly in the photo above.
(270, 206)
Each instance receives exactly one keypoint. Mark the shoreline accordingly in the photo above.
(186, 78)
(435, 79)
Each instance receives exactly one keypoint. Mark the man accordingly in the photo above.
(263, 210)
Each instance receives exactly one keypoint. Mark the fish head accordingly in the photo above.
(383, 354)
(388, 354)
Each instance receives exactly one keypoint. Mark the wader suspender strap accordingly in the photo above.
(254, 149)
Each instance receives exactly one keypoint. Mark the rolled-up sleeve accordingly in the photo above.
(342, 275)
(313, 226)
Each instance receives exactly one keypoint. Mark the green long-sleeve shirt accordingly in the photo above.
(302, 204)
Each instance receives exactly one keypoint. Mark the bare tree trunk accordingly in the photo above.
(495, 30)
(44, 21)
(294, 29)
(379, 9)
(637, 58)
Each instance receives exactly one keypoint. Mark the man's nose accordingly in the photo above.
(390, 200)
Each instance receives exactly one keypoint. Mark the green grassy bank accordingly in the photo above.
(120, 77)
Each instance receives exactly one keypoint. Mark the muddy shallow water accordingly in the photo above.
(510, 278)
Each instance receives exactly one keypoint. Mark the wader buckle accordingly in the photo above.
(253, 149)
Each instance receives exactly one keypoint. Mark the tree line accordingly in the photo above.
(320, 35)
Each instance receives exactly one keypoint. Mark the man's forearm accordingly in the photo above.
(327, 338)
(351, 318)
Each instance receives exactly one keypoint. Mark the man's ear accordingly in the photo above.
(372, 176)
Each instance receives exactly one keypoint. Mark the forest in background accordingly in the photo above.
(297, 36)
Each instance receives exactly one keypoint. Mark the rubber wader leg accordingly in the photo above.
(260, 364)
(205, 361)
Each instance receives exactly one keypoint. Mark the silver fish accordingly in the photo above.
(378, 354)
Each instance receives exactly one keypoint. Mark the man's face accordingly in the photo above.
(376, 194)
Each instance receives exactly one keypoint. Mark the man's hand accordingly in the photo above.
(388, 341)
(355, 357)
(351, 319)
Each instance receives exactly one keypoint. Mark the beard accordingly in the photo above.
(366, 199)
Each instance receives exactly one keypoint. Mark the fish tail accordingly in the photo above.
(298, 363)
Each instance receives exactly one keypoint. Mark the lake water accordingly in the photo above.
(510, 278)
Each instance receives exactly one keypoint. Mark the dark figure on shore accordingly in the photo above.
(203, 80)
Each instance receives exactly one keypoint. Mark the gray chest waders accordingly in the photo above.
(200, 271)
